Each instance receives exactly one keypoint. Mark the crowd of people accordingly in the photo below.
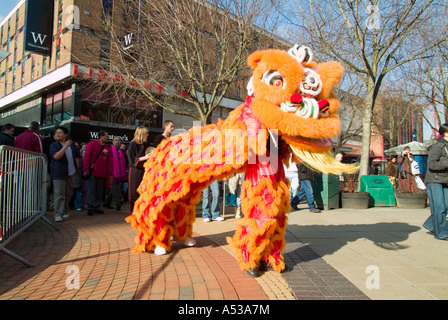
(94, 174)
(88, 175)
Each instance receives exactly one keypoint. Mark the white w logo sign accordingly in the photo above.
(128, 41)
(38, 37)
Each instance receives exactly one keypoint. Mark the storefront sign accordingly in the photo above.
(39, 26)
(124, 138)
(84, 132)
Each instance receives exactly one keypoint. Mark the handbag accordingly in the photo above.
(415, 168)
(420, 184)
(403, 175)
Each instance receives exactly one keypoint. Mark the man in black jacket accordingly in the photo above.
(168, 127)
(436, 180)
(306, 175)
(6, 136)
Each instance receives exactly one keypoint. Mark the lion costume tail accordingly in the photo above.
(175, 175)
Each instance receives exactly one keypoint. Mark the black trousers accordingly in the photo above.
(135, 178)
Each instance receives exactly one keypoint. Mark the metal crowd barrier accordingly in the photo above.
(23, 194)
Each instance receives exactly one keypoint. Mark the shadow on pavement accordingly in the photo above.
(331, 238)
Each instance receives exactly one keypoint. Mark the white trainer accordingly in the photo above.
(238, 214)
(218, 219)
(159, 251)
(190, 242)
(206, 219)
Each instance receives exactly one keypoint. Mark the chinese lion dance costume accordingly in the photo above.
(290, 111)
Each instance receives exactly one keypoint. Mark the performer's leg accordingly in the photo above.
(184, 215)
(260, 235)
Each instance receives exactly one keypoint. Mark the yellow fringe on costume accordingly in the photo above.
(323, 162)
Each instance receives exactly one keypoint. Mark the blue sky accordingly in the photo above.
(6, 6)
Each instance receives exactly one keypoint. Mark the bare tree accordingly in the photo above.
(185, 56)
(427, 84)
(371, 38)
(393, 113)
(350, 111)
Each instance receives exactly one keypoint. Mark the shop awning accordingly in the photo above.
(416, 148)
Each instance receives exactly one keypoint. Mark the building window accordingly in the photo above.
(14, 79)
(94, 105)
(57, 106)
(15, 51)
(102, 106)
(32, 67)
(48, 107)
(104, 53)
(17, 20)
(44, 66)
(67, 104)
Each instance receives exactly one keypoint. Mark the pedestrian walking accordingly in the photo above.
(437, 185)
(292, 174)
(119, 175)
(137, 155)
(7, 135)
(64, 163)
(97, 165)
(406, 181)
(30, 139)
(168, 127)
(235, 184)
(211, 211)
(306, 175)
(392, 170)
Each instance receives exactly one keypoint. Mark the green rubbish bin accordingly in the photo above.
(326, 191)
(381, 190)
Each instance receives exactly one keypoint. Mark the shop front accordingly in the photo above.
(85, 131)
(85, 110)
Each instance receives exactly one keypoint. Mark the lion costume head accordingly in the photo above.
(293, 94)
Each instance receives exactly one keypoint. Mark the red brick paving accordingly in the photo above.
(100, 247)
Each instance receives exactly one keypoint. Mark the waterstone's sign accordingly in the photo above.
(124, 138)
(39, 26)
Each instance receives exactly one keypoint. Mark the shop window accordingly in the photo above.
(94, 105)
(122, 110)
(94, 111)
(122, 115)
(67, 104)
(57, 107)
(145, 117)
(48, 105)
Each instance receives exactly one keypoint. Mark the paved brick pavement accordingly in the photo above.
(98, 247)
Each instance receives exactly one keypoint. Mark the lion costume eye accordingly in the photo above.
(273, 78)
(311, 83)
